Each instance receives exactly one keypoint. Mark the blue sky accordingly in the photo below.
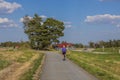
(85, 20)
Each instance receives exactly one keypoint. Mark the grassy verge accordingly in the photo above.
(3, 64)
(103, 66)
(35, 64)
(19, 63)
(26, 56)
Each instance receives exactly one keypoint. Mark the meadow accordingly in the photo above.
(19, 64)
(104, 66)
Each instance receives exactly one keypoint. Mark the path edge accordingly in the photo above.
(39, 70)
(82, 69)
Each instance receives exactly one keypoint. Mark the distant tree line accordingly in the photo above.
(15, 44)
(99, 44)
(106, 44)
(78, 45)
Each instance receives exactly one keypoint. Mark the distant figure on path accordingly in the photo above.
(64, 50)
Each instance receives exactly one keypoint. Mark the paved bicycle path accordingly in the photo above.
(55, 68)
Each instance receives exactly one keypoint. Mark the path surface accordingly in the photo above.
(57, 69)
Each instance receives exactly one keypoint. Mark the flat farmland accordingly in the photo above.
(103, 66)
(19, 64)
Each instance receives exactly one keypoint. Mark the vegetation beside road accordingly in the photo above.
(19, 64)
(28, 75)
(103, 66)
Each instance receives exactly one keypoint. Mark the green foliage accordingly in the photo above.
(42, 33)
(3, 64)
(29, 74)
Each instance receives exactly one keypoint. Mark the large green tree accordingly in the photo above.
(42, 33)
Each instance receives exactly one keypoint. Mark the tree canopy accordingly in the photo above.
(43, 32)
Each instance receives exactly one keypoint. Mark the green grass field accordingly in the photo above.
(110, 50)
(103, 66)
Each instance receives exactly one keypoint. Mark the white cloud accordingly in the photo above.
(5, 22)
(118, 25)
(23, 19)
(43, 16)
(7, 7)
(1, 0)
(104, 19)
(29, 17)
(68, 24)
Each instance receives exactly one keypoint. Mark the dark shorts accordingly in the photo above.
(63, 53)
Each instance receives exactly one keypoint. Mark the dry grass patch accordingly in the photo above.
(19, 62)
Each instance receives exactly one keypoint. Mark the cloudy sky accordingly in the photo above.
(85, 20)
